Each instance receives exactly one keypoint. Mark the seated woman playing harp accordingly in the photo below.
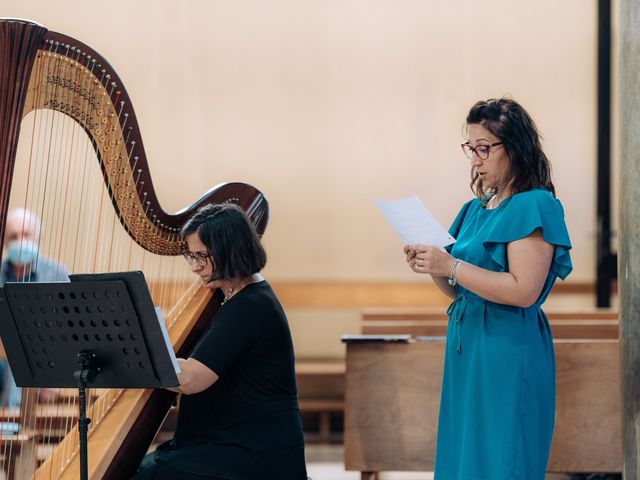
(239, 416)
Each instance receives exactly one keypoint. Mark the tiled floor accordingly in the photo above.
(325, 462)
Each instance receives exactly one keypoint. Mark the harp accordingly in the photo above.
(66, 116)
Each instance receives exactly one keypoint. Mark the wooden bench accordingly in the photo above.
(47, 424)
(393, 394)
(18, 453)
(321, 392)
(321, 382)
(324, 407)
(576, 324)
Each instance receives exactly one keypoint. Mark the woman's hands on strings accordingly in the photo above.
(426, 259)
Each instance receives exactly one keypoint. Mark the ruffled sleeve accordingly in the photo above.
(524, 213)
(454, 231)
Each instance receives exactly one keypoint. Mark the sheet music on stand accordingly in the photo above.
(100, 330)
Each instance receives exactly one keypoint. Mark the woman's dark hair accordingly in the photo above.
(233, 244)
(509, 122)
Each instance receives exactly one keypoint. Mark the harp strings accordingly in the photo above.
(64, 186)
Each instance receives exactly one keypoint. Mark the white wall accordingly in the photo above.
(324, 105)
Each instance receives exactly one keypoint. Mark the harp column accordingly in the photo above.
(19, 42)
(629, 248)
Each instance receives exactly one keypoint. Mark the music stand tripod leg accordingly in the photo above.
(84, 376)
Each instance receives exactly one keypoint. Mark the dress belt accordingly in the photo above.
(455, 311)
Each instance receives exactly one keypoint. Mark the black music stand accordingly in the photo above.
(98, 329)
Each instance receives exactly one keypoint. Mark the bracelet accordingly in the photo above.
(452, 276)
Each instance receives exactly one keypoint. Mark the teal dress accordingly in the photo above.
(498, 389)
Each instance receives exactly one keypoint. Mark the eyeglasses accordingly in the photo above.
(482, 151)
(201, 258)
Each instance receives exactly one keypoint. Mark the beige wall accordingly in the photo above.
(324, 105)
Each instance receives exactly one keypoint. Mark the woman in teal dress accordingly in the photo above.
(498, 389)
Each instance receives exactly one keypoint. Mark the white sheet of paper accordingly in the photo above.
(413, 222)
(165, 334)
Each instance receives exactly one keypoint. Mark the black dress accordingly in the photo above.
(247, 425)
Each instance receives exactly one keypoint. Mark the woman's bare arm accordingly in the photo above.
(194, 377)
(529, 263)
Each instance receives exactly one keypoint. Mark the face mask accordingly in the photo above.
(22, 253)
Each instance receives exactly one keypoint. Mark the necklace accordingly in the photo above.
(239, 285)
(232, 290)
(496, 199)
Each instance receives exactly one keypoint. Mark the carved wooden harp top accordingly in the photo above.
(40, 69)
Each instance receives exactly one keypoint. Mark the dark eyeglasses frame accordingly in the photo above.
(199, 257)
(469, 150)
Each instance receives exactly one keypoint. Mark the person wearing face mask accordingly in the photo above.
(498, 389)
(23, 262)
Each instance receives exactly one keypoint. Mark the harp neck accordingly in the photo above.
(49, 70)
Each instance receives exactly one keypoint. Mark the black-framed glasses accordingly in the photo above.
(482, 151)
(201, 258)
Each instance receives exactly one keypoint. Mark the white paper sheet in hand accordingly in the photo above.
(413, 222)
